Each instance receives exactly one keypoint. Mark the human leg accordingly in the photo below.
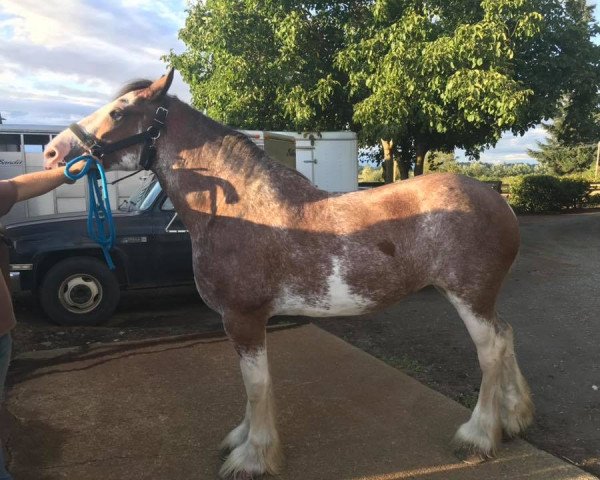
(5, 352)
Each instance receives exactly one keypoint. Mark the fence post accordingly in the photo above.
(597, 162)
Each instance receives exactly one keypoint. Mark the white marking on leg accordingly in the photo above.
(517, 407)
(483, 430)
(260, 452)
(239, 434)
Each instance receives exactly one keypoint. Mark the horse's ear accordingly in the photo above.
(159, 88)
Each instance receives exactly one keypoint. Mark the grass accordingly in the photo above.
(404, 363)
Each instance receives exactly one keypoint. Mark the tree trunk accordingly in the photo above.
(404, 166)
(421, 151)
(388, 160)
(404, 160)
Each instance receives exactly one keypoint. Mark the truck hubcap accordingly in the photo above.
(80, 293)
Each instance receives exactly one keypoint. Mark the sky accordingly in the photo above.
(62, 59)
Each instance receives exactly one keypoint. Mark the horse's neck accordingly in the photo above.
(211, 169)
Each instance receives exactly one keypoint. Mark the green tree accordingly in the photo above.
(441, 74)
(575, 130)
(437, 161)
(370, 174)
(564, 159)
(268, 64)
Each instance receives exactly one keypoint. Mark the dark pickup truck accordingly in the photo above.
(53, 257)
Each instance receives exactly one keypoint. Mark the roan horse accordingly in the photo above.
(267, 242)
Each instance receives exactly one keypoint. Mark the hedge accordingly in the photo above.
(545, 193)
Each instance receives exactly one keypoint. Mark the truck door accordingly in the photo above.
(173, 247)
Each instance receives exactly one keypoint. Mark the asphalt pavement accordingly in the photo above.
(157, 409)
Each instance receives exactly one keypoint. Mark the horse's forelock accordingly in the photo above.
(132, 86)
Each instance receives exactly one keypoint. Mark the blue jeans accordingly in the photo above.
(5, 351)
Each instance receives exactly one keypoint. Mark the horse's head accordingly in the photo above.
(136, 110)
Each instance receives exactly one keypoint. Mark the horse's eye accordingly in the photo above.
(117, 115)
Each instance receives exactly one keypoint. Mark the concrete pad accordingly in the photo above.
(158, 410)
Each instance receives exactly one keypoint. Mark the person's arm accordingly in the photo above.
(33, 184)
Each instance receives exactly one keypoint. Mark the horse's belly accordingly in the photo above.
(291, 304)
(337, 298)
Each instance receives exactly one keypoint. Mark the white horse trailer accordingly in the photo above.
(328, 159)
(21, 151)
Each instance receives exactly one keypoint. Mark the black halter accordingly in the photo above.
(98, 148)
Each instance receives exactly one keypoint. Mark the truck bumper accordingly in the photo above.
(15, 281)
(15, 275)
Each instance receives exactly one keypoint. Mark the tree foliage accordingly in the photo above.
(268, 64)
(572, 136)
(446, 162)
(415, 75)
(564, 159)
(442, 74)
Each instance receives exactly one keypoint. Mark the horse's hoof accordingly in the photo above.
(507, 437)
(469, 456)
(245, 476)
(224, 453)
(242, 476)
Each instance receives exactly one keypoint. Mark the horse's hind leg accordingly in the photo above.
(516, 409)
(254, 444)
(504, 400)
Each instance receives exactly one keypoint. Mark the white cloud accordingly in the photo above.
(79, 52)
(512, 148)
(61, 59)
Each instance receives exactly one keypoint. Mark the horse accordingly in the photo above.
(267, 242)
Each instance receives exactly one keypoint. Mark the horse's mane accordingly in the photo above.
(246, 147)
(132, 86)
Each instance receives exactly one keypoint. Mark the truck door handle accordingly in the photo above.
(310, 161)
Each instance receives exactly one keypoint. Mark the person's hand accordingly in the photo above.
(76, 168)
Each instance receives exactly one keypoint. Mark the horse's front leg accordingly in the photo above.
(254, 444)
(237, 436)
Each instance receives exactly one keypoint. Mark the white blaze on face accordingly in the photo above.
(67, 140)
(92, 122)
(64, 142)
(338, 299)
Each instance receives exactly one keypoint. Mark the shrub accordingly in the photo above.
(574, 193)
(370, 174)
(545, 193)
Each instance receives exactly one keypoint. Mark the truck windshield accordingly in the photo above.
(143, 198)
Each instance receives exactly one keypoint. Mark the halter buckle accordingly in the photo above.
(160, 116)
(153, 138)
(96, 150)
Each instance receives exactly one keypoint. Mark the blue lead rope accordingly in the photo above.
(100, 225)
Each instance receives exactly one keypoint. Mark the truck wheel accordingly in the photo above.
(79, 291)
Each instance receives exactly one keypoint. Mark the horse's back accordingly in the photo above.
(437, 229)
(443, 201)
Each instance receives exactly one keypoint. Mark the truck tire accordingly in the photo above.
(79, 291)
